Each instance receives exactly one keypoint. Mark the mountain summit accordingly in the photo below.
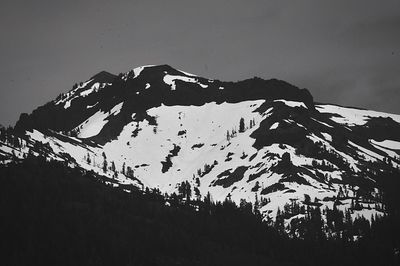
(265, 141)
(146, 87)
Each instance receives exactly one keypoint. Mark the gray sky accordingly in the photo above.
(344, 52)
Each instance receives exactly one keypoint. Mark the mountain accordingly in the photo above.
(264, 141)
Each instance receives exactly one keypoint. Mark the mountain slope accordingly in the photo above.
(264, 141)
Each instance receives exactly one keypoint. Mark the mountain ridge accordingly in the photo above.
(264, 141)
(129, 86)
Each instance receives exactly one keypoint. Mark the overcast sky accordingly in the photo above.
(344, 52)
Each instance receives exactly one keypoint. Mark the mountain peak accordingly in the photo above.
(252, 139)
(103, 77)
(153, 71)
(150, 86)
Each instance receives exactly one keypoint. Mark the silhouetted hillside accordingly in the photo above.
(54, 215)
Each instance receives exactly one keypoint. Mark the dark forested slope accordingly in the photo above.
(51, 214)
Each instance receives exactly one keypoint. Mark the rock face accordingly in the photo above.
(265, 141)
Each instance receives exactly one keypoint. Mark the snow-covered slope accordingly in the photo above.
(262, 141)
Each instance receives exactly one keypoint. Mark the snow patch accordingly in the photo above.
(325, 124)
(352, 116)
(139, 70)
(91, 106)
(94, 124)
(94, 88)
(388, 144)
(186, 73)
(371, 155)
(274, 126)
(292, 103)
(327, 136)
(136, 72)
(69, 96)
(170, 80)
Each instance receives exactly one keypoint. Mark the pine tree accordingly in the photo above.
(252, 123)
(208, 199)
(88, 158)
(188, 191)
(104, 162)
(181, 190)
(197, 193)
(241, 125)
(129, 172)
(279, 222)
(256, 205)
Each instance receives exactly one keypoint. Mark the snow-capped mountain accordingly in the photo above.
(264, 141)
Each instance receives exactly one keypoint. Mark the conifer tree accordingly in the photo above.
(197, 193)
(88, 158)
(241, 125)
(113, 167)
(104, 163)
